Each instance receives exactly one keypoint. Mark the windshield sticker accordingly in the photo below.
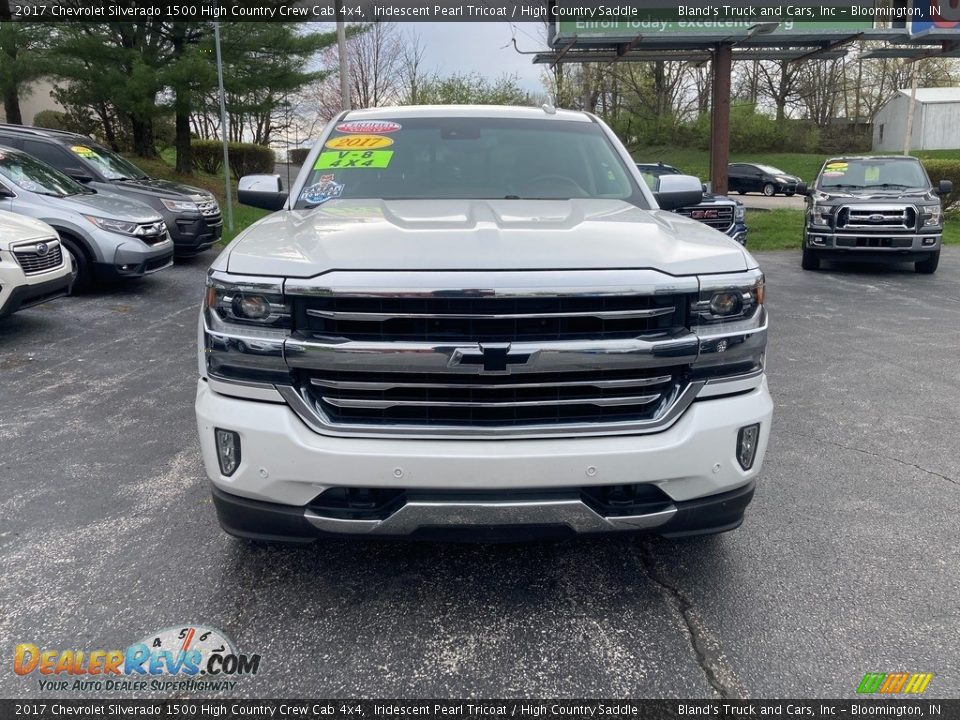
(83, 151)
(353, 159)
(359, 142)
(833, 174)
(325, 189)
(837, 166)
(872, 174)
(368, 126)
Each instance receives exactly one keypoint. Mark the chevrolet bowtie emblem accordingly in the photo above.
(494, 358)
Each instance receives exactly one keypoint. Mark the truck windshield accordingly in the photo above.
(32, 175)
(110, 165)
(468, 158)
(873, 174)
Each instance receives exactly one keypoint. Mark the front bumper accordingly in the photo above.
(285, 466)
(193, 233)
(895, 247)
(135, 259)
(35, 290)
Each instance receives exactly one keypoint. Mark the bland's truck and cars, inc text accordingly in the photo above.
(479, 320)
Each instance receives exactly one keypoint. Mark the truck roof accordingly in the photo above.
(871, 157)
(487, 111)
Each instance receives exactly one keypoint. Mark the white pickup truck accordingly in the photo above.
(478, 321)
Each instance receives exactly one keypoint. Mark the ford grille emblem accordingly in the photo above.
(42, 249)
(876, 218)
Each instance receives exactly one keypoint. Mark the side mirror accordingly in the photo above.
(946, 187)
(262, 191)
(677, 191)
(802, 189)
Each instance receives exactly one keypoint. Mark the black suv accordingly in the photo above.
(874, 208)
(192, 215)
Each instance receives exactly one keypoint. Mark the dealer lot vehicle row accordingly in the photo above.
(845, 563)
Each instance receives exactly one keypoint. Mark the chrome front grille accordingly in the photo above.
(39, 257)
(468, 319)
(877, 217)
(493, 401)
(719, 218)
(209, 210)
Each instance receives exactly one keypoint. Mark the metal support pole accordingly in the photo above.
(720, 118)
(223, 126)
(344, 60)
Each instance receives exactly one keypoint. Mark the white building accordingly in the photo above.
(936, 121)
(34, 99)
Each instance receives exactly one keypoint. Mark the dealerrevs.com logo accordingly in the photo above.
(186, 658)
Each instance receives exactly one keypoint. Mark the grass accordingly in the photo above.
(805, 166)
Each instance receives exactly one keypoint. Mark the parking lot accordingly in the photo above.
(847, 562)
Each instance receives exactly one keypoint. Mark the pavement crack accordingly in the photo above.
(883, 457)
(706, 649)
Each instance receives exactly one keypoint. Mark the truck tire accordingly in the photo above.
(82, 268)
(769, 190)
(809, 260)
(928, 266)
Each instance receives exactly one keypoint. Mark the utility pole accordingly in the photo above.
(223, 125)
(344, 60)
(908, 135)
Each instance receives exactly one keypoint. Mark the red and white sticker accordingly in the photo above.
(368, 126)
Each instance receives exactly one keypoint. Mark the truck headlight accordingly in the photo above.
(180, 205)
(740, 213)
(933, 216)
(250, 301)
(728, 297)
(821, 215)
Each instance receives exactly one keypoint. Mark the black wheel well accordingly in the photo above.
(74, 239)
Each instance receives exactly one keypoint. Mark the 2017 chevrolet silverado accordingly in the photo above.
(478, 319)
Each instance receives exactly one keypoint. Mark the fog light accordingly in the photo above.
(817, 241)
(747, 440)
(228, 450)
(929, 241)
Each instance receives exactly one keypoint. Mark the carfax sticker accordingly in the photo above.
(368, 126)
(353, 159)
(320, 192)
(359, 142)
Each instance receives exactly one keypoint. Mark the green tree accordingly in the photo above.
(23, 59)
(473, 89)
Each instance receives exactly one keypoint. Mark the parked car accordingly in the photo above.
(33, 266)
(874, 208)
(107, 236)
(750, 177)
(718, 211)
(476, 275)
(191, 214)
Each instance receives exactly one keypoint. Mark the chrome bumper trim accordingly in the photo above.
(572, 513)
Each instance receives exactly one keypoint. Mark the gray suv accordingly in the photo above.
(107, 236)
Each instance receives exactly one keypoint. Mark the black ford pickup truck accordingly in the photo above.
(874, 208)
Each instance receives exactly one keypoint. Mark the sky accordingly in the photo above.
(479, 47)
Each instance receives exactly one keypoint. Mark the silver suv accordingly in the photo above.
(106, 236)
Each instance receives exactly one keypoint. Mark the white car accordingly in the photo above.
(33, 266)
(480, 321)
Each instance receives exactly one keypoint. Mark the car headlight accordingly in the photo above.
(250, 301)
(180, 205)
(124, 227)
(740, 213)
(728, 297)
(781, 179)
(933, 216)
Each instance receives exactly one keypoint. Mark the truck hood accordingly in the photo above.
(107, 205)
(867, 196)
(479, 235)
(14, 228)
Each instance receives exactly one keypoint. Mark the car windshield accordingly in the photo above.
(33, 175)
(874, 174)
(468, 158)
(771, 170)
(110, 165)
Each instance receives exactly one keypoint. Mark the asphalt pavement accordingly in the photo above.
(846, 564)
(756, 201)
